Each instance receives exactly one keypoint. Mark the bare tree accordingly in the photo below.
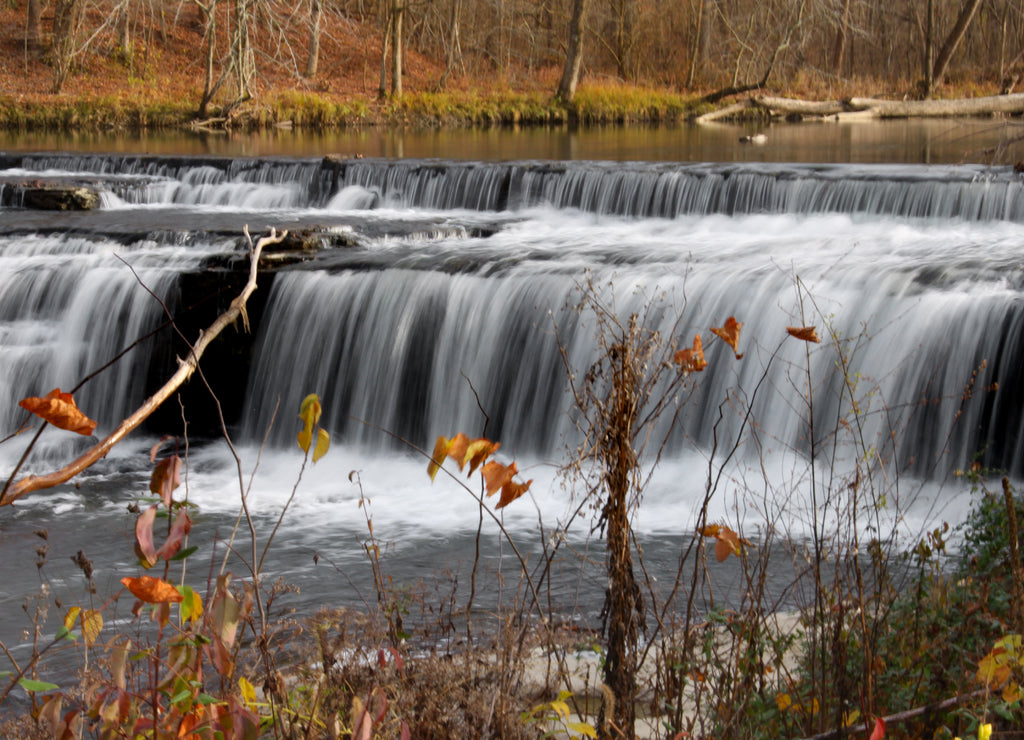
(313, 58)
(574, 53)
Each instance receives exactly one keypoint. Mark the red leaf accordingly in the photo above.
(182, 526)
(60, 410)
(144, 547)
(879, 731)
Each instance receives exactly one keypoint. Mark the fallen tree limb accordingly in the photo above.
(901, 716)
(185, 370)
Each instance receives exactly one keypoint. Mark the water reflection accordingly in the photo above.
(913, 142)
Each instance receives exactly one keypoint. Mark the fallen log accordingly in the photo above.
(793, 106)
(726, 112)
(988, 105)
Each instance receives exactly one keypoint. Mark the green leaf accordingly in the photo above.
(181, 696)
(64, 634)
(31, 685)
(182, 554)
(206, 699)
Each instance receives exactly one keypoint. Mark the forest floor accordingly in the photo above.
(158, 83)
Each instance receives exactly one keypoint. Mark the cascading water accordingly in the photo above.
(456, 310)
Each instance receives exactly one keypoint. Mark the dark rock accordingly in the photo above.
(60, 198)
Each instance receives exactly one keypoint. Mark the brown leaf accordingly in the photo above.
(691, 360)
(730, 334)
(511, 491)
(806, 333)
(60, 410)
(152, 590)
(166, 477)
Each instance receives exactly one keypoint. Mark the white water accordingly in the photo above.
(911, 275)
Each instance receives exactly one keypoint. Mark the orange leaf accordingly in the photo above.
(711, 530)
(60, 410)
(806, 333)
(497, 475)
(511, 491)
(730, 334)
(457, 449)
(692, 360)
(152, 590)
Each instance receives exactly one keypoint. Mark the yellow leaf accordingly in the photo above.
(92, 624)
(309, 412)
(323, 441)
(441, 448)
(984, 732)
(248, 693)
(305, 439)
(477, 452)
(71, 617)
(191, 605)
(784, 702)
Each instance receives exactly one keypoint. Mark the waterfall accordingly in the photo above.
(457, 311)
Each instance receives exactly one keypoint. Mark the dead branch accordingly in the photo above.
(185, 370)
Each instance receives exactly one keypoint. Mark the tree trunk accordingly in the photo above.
(397, 13)
(65, 39)
(241, 51)
(385, 48)
(453, 49)
(952, 42)
(33, 25)
(313, 60)
(842, 33)
(929, 46)
(625, 23)
(574, 53)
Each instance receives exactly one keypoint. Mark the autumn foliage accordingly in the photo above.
(474, 453)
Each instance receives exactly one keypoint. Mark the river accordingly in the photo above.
(452, 307)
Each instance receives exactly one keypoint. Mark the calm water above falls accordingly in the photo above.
(455, 302)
